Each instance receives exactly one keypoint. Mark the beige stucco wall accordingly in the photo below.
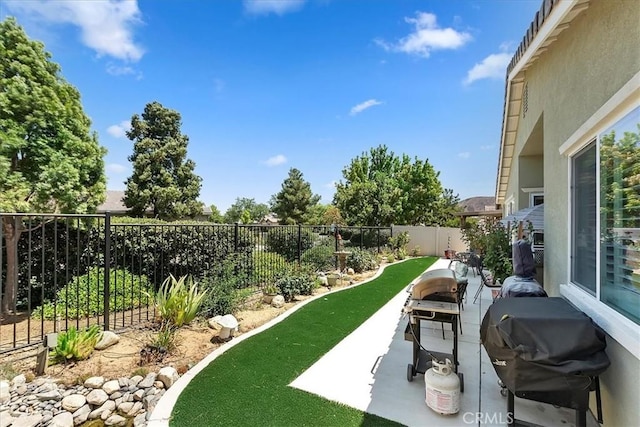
(583, 68)
(531, 176)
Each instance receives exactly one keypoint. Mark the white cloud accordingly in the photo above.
(119, 130)
(119, 70)
(486, 147)
(276, 160)
(493, 66)
(426, 37)
(363, 106)
(265, 7)
(116, 168)
(331, 185)
(106, 25)
(464, 155)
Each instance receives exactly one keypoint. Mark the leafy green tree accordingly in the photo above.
(324, 215)
(449, 206)
(380, 188)
(332, 216)
(369, 194)
(256, 210)
(163, 179)
(245, 218)
(50, 161)
(295, 200)
(216, 216)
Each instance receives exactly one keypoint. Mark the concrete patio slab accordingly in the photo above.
(367, 371)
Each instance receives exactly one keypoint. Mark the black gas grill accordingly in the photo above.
(546, 350)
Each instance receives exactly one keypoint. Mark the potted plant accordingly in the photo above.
(269, 292)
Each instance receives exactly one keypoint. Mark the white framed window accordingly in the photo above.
(536, 199)
(509, 206)
(605, 217)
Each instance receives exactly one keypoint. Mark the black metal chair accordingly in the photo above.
(474, 261)
(484, 281)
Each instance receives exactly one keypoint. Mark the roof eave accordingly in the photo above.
(553, 17)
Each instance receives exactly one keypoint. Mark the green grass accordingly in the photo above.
(247, 385)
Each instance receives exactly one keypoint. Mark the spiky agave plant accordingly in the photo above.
(178, 300)
(74, 344)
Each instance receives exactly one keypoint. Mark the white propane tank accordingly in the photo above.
(443, 388)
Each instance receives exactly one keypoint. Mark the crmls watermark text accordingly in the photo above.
(487, 418)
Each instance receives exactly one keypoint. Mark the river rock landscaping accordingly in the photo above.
(96, 402)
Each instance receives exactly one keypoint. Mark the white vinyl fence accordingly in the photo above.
(432, 241)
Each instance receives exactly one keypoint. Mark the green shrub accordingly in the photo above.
(415, 251)
(299, 281)
(320, 258)
(227, 288)
(497, 258)
(361, 260)
(187, 248)
(368, 238)
(400, 241)
(223, 296)
(74, 344)
(83, 296)
(178, 301)
(266, 266)
(284, 241)
(165, 338)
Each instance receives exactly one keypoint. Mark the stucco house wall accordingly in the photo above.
(584, 68)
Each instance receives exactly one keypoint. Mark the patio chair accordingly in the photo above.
(461, 271)
(474, 261)
(484, 281)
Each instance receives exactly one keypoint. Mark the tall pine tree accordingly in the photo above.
(163, 180)
(295, 200)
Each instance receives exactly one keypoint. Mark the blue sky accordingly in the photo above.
(267, 85)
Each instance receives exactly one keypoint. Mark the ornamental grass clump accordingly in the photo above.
(178, 301)
(75, 345)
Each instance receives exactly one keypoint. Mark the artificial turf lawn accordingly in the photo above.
(248, 384)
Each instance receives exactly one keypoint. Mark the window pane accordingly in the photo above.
(620, 216)
(584, 233)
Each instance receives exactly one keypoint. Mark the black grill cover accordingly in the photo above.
(523, 262)
(542, 344)
(519, 287)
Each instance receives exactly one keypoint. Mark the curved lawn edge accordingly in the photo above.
(162, 413)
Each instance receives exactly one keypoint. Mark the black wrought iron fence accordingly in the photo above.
(59, 271)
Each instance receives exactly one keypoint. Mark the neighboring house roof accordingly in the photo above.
(270, 218)
(114, 203)
(478, 204)
(553, 18)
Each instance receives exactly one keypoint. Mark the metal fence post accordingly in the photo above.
(235, 237)
(299, 244)
(107, 267)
